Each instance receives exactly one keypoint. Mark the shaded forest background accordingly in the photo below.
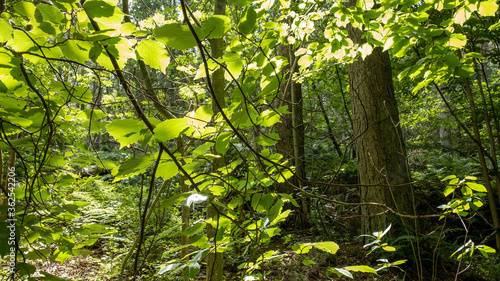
(249, 140)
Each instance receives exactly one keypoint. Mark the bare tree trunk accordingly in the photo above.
(381, 156)
(291, 132)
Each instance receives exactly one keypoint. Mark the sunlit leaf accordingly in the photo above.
(132, 167)
(222, 142)
(248, 20)
(6, 29)
(476, 187)
(153, 54)
(175, 200)
(330, 247)
(216, 26)
(488, 8)
(125, 131)
(170, 129)
(457, 40)
(342, 272)
(361, 268)
(177, 36)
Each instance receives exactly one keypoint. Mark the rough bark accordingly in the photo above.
(380, 150)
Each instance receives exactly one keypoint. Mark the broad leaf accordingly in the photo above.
(153, 54)
(104, 13)
(176, 36)
(170, 129)
(167, 170)
(330, 247)
(6, 29)
(476, 187)
(222, 142)
(361, 268)
(216, 26)
(248, 20)
(488, 8)
(193, 229)
(175, 200)
(132, 167)
(125, 131)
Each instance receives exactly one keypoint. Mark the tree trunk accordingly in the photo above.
(380, 151)
(292, 137)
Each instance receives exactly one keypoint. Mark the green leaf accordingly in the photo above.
(361, 268)
(132, 166)
(76, 50)
(6, 29)
(488, 8)
(341, 271)
(167, 170)
(26, 268)
(20, 42)
(457, 41)
(192, 270)
(461, 16)
(176, 36)
(153, 54)
(216, 26)
(449, 178)
(95, 114)
(169, 267)
(235, 68)
(45, 13)
(201, 116)
(476, 187)
(248, 20)
(302, 248)
(25, 8)
(104, 13)
(400, 47)
(174, 200)
(222, 142)
(62, 255)
(125, 131)
(448, 190)
(307, 261)
(389, 248)
(193, 229)
(262, 202)
(452, 60)
(271, 117)
(305, 61)
(329, 247)
(268, 139)
(170, 129)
